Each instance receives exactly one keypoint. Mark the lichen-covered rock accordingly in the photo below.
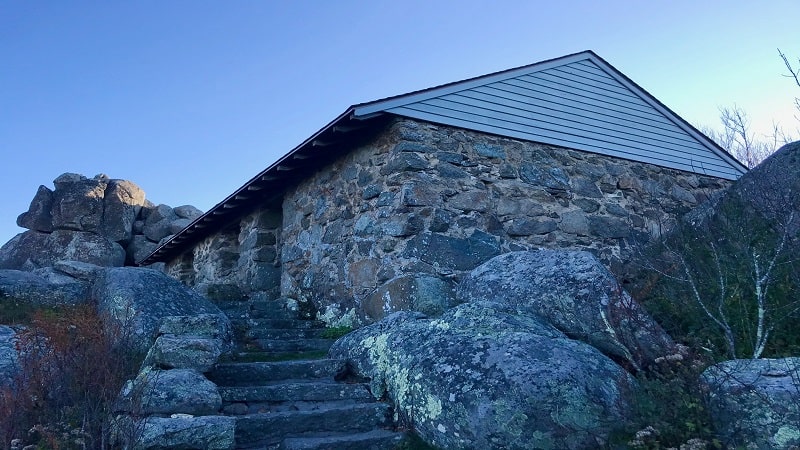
(138, 299)
(187, 212)
(44, 288)
(178, 432)
(573, 292)
(122, 202)
(176, 391)
(483, 376)
(424, 293)
(190, 342)
(755, 403)
(78, 202)
(212, 326)
(33, 249)
(184, 352)
(38, 217)
(9, 358)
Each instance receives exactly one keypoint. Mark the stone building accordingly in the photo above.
(387, 206)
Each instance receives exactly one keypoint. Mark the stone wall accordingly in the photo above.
(239, 260)
(394, 223)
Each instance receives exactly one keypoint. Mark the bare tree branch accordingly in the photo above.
(793, 73)
(738, 138)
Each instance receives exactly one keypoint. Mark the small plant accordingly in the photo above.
(414, 442)
(336, 332)
(16, 312)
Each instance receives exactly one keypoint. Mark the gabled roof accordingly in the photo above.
(577, 101)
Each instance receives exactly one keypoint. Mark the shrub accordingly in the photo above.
(669, 409)
(728, 283)
(72, 368)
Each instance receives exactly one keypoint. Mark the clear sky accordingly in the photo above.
(190, 99)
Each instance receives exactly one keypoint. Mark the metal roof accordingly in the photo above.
(577, 101)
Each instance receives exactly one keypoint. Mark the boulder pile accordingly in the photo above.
(102, 221)
(541, 353)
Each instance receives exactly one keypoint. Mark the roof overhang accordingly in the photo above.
(269, 185)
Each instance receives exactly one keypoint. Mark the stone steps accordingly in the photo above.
(292, 345)
(286, 324)
(256, 373)
(297, 390)
(370, 440)
(285, 333)
(253, 354)
(272, 428)
(295, 404)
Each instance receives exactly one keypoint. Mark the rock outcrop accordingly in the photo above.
(42, 288)
(33, 249)
(171, 404)
(132, 301)
(755, 403)
(137, 299)
(536, 357)
(102, 221)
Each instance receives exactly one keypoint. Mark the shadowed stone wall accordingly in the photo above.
(395, 223)
(239, 260)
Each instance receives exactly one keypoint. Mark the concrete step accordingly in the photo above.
(297, 390)
(257, 373)
(370, 440)
(292, 345)
(271, 428)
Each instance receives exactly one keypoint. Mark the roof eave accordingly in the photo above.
(268, 179)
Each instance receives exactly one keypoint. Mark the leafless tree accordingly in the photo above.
(741, 141)
(736, 268)
(738, 137)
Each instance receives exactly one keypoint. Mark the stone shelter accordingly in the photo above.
(391, 203)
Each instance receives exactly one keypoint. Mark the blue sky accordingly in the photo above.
(190, 99)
